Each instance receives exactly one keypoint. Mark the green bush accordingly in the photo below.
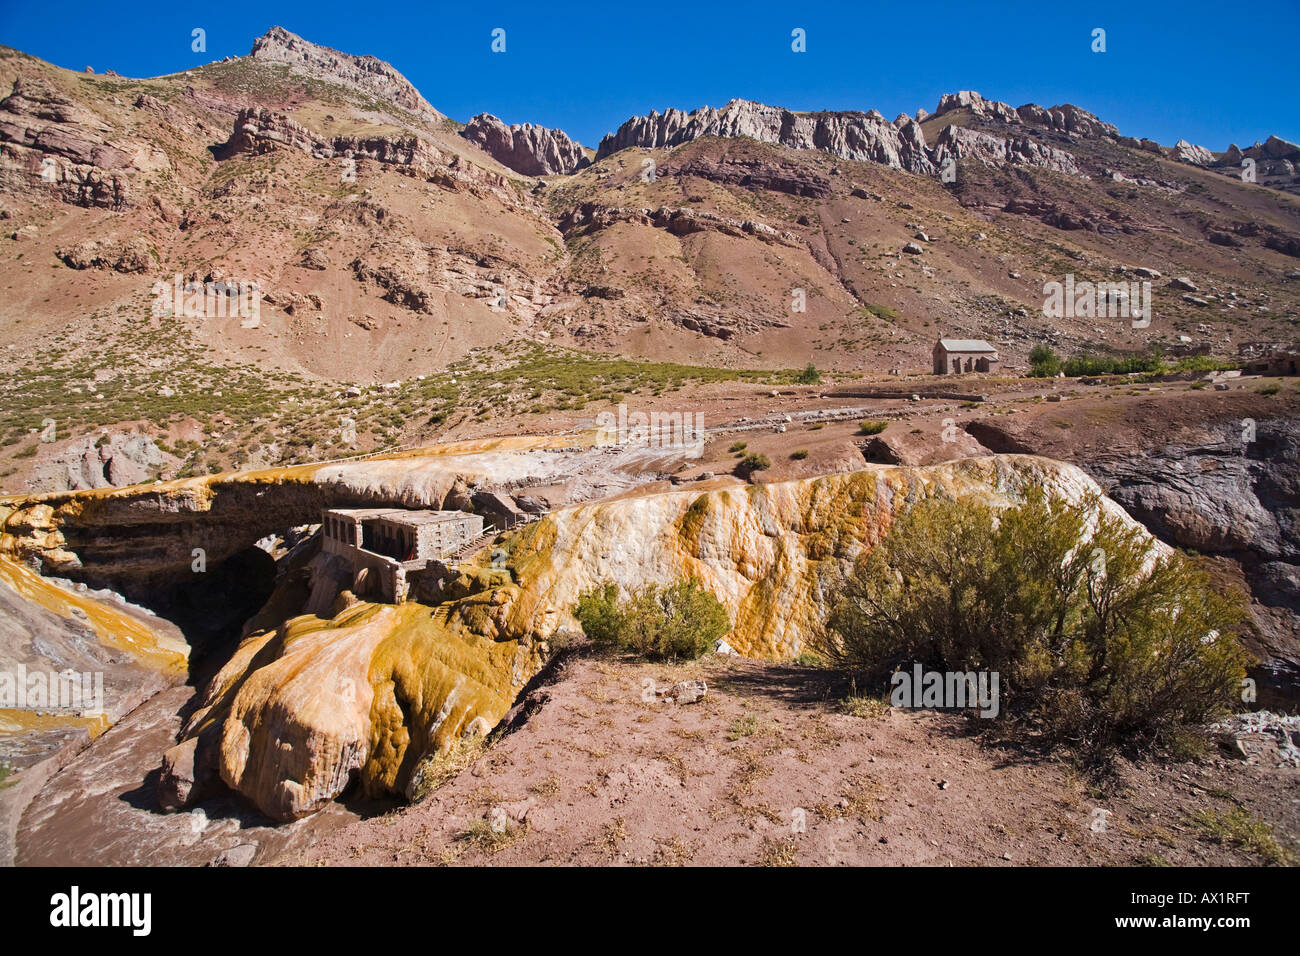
(751, 463)
(680, 621)
(1098, 641)
(799, 455)
(1043, 362)
(1203, 363)
(872, 428)
(809, 376)
(1110, 365)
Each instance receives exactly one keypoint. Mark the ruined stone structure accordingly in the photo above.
(386, 545)
(953, 356)
(1277, 362)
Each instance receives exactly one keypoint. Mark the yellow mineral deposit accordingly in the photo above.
(113, 626)
(372, 690)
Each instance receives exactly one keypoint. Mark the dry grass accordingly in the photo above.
(434, 771)
(492, 839)
(777, 852)
(1236, 827)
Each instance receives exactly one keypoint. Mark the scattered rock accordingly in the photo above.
(240, 855)
(686, 692)
(314, 258)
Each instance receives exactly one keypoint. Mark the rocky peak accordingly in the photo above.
(1274, 148)
(366, 73)
(1068, 119)
(525, 148)
(1065, 118)
(1186, 152)
(969, 99)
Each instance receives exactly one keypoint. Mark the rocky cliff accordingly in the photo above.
(52, 139)
(959, 144)
(525, 148)
(849, 135)
(258, 130)
(1065, 118)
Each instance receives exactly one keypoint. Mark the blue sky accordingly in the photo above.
(1209, 73)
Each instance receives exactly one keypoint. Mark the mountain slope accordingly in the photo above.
(387, 245)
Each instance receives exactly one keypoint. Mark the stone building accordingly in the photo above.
(1278, 362)
(954, 356)
(389, 544)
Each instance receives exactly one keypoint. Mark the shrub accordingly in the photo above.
(1270, 389)
(680, 621)
(799, 455)
(751, 463)
(1203, 363)
(1110, 365)
(1043, 362)
(879, 311)
(872, 428)
(809, 376)
(738, 446)
(1098, 642)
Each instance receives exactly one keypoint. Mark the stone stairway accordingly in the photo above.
(471, 548)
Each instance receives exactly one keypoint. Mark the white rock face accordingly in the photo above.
(960, 143)
(866, 137)
(1185, 152)
(869, 137)
(969, 99)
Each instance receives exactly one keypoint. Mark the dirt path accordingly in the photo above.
(769, 769)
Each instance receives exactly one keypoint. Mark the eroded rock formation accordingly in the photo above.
(849, 135)
(525, 148)
(258, 130)
(959, 143)
(62, 146)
